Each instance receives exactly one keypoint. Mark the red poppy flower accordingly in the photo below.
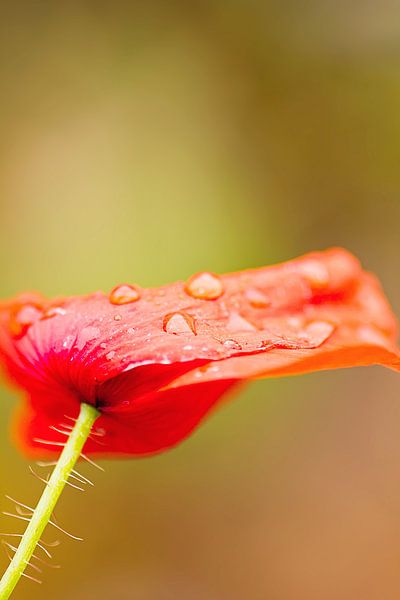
(156, 361)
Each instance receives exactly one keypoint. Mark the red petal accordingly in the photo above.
(159, 421)
(156, 360)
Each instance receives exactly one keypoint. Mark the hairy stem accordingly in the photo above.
(42, 514)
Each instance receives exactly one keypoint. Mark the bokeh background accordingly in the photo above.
(144, 141)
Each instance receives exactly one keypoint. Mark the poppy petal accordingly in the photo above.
(144, 356)
(159, 422)
(364, 334)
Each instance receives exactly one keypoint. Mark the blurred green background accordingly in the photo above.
(142, 142)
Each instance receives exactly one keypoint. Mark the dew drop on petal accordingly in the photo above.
(110, 355)
(315, 272)
(103, 345)
(124, 294)
(257, 298)
(117, 318)
(179, 323)
(318, 331)
(238, 323)
(205, 286)
(54, 311)
(232, 344)
(24, 318)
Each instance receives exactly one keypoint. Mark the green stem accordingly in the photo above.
(42, 514)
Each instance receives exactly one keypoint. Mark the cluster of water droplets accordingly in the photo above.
(209, 287)
(204, 286)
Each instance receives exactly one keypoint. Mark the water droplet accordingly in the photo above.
(117, 318)
(124, 294)
(23, 318)
(257, 298)
(179, 323)
(232, 344)
(54, 311)
(103, 345)
(315, 272)
(110, 355)
(238, 323)
(317, 332)
(205, 286)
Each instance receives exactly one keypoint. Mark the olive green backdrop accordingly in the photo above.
(142, 142)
